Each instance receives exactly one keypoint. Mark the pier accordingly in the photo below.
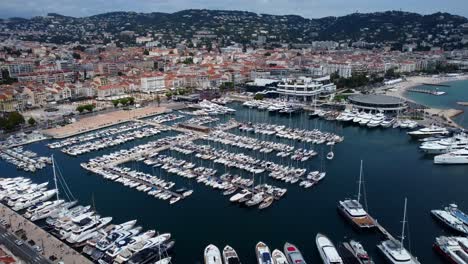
(51, 246)
(426, 91)
(383, 230)
(436, 84)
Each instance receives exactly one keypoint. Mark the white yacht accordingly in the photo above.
(81, 232)
(365, 118)
(456, 157)
(327, 250)
(263, 254)
(212, 255)
(230, 256)
(430, 131)
(236, 197)
(279, 257)
(36, 198)
(394, 251)
(376, 120)
(450, 220)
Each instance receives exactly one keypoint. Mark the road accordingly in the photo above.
(24, 252)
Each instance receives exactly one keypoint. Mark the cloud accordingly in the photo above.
(306, 8)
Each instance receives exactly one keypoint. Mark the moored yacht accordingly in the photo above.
(450, 220)
(293, 254)
(453, 249)
(212, 255)
(456, 157)
(230, 256)
(352, 209)
(358, 251)
(394, 251)
(263, 254)
(279, 257)
(327, 250)
(433, 130)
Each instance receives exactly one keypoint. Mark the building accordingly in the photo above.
(152, 83)
(304, 89)
(377, 102)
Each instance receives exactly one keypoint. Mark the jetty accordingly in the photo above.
(426, 91)
(436, 84)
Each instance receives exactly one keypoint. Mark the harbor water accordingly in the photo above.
(394, 168)
(456, 91)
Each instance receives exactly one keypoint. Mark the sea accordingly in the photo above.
(456, 91)
(393, 169)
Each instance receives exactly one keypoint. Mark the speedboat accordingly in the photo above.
(358, 251)
(212, 255)
(327, 250)
(279, 257)
(263, 254)
(230, 256)
(293, 254)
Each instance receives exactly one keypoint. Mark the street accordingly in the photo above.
(24, 252)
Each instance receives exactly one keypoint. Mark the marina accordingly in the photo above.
(264, 159)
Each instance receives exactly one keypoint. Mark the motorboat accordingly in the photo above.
(263, 254)
(212, 255)
(230, 256)
(293, 254)
(358, 251)
(279, 257)
(327, 250)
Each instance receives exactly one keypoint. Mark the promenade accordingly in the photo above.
(52, 248)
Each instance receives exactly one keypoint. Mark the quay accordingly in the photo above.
(100, 121)
(426, 91)
(52, 248)
(383, 230)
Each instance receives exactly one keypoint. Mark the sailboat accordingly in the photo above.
(394, 251)
(352, 209)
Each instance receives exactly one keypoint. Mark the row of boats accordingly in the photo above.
(447, 150)
(273, 106)
(367, 119)
(291, 253)
(81, 226)
(159, 119)
(96, 135)
(201, 120)
(210, 108)
(24, 159)
(110, 141)
(311, 136)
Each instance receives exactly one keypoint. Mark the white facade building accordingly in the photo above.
(305, 89)
(152, 84)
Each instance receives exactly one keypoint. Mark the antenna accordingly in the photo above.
(403, 228)
(55, 175)
(359, 183)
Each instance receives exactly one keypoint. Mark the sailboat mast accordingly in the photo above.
(359, 183)
(55, 176)
(403, 228)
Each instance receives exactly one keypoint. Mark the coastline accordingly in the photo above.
(400, 89)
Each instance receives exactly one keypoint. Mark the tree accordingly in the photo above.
(31, 121)
(131, 100)
(146, 52)
(115, 102)
(11, 121)
(89, 107)
(80, 109)
(267, 54)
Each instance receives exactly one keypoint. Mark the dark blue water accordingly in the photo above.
(393, 169)
(456, 92)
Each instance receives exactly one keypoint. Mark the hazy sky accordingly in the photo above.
(306, 8)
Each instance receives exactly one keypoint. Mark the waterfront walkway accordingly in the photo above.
(51, 246)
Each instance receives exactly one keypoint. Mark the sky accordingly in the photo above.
(305, 8)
